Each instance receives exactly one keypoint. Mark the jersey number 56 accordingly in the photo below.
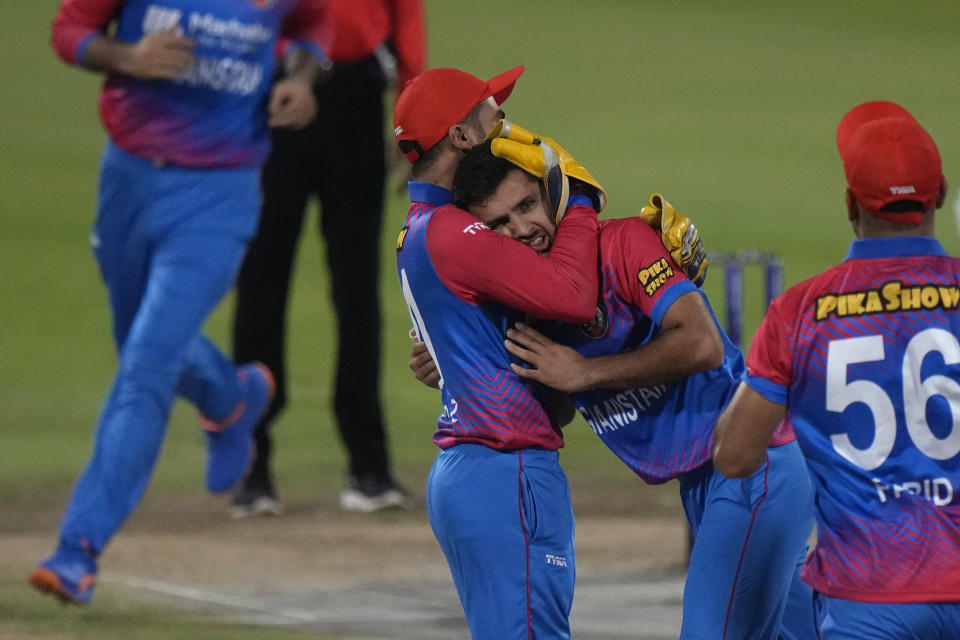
(841, 393)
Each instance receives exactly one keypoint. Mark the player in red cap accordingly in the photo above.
(862, 360)
(497, 499)
(438, 99)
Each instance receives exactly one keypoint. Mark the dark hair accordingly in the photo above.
(478, 176)
(429, 157)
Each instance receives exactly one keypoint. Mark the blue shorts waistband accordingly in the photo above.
(482, 450)
(114, 153)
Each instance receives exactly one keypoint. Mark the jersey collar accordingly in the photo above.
(893, 247)
(429, 193)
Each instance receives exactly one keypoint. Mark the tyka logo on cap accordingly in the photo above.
(902, 191)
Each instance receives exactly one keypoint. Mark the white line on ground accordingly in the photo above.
(210, 597)
(616, 609)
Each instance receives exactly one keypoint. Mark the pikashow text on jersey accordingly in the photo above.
(892, 296)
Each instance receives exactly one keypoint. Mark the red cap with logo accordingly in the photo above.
(437, 99)
(889, 157)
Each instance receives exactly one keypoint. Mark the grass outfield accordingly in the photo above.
(728, 109)
(24, 616)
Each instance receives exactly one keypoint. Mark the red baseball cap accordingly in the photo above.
(887, 157)
(437, 99)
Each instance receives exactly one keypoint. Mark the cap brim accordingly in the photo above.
(862, 114)
(501, 86)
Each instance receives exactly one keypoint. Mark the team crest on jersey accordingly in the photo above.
(654, 276)
(402, 237)
(597, 328)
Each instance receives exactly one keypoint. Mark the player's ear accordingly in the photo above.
(459, 136)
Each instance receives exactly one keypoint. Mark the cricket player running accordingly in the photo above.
(186, 103)
(863, 361)
(651, 373)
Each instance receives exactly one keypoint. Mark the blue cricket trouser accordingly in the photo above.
(852, 620)
(800, 615)
(749, 535)
(504, 522)
(169, 241)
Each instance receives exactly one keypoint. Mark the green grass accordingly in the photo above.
(728, 109)
(24, 616)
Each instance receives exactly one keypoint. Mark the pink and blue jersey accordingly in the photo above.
(867, 360)
(665, 430)
(462, 282)
(214, 115)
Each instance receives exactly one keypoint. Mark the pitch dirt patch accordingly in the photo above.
(309, 558)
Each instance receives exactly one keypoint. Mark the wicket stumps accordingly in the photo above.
(733, 265)
(733, 286)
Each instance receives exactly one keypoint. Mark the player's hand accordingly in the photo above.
(555, 365)
(679, 235)
(581, 181)
(292, 104)
(163, 55)
(423, 366)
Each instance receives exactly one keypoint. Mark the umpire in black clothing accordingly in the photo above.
(339, 158)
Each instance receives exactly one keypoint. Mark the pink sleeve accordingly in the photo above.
(770, 357)
(478, 265)
(77, 22)
(644, 269)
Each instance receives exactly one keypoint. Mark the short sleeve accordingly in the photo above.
(769, 364)
(650, 279)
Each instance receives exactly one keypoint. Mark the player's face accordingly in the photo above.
(489, 115)
(518, 210)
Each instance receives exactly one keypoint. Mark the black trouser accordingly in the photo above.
(339, 158)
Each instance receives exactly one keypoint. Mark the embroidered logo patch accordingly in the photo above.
(598, 327)
(555, 560)
(654, 276)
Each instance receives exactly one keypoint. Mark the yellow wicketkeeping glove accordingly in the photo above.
(679, 235)
(541, 161)
(574, 170)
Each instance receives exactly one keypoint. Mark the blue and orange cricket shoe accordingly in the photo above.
(230, 441)
(69, 574)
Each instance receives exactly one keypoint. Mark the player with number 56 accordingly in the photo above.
(863, 361)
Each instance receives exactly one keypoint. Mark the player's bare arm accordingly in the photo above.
(689, 342)
(743, 432)
(158, 56)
